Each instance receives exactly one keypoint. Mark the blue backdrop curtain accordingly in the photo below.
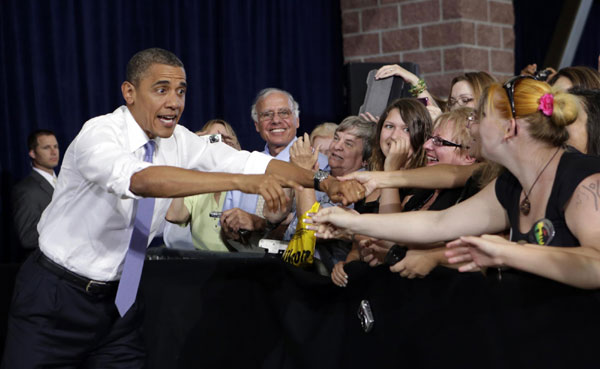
(63, 62)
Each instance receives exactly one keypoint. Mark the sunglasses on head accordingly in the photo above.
(509, 87)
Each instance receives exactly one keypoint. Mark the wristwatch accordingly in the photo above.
(320, 176)
(395, 254)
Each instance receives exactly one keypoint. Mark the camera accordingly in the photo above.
(365, 316)
(542, 75)
(215, 138)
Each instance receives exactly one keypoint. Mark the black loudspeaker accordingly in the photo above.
(356, 83)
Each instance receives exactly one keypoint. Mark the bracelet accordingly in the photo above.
(418, 89)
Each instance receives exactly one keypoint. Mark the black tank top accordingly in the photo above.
(573, 168)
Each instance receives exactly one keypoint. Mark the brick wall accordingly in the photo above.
(445, 37)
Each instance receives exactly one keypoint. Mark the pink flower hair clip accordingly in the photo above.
(547, 104)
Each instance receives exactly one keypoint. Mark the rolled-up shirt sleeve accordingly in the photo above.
(102, 158)
(220, 157)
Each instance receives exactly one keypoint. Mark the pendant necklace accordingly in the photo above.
(525, 205)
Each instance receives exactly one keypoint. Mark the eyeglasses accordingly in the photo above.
(266, 116)
(461, 101)
(471, 119)
(509, 86)
(438, 141)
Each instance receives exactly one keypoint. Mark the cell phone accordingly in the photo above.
(215, 138)
(424, 100)
(365, 316)
(215, 214)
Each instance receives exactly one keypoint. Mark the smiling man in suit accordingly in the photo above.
(33, 193)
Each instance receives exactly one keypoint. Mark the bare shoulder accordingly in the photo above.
(582, 212)
(586, 195)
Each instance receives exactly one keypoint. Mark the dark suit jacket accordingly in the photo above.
(30, 197)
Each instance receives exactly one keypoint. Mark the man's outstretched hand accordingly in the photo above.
(346, 192)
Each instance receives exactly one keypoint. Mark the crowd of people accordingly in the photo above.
(499, 177)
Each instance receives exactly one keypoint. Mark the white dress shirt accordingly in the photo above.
(88, 225)
(51, 178)
(247, 201)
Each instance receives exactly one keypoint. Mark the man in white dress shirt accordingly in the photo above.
(63, 313)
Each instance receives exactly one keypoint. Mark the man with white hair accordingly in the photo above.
(276, 117)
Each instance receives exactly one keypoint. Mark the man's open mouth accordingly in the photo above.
(167, 120)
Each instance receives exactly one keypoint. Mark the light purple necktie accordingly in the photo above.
(134, 260)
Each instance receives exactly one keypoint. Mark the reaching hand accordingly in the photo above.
(303, 155)
(373, 250)
(416, 263)
(331, 222)
(269, 186)
(477, 252)
(346, 192)
(283, 213)
(370, 180)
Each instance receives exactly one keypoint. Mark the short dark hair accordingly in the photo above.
(142, 60)
(362, 129)
(32, 141)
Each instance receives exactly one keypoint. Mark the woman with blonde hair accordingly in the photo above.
(547, 196)
(321, 137)
(535, 292)
(219, 126)
(193, 221)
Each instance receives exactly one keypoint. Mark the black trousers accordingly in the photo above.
(56, 324)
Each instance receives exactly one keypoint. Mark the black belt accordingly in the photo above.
(90, 286)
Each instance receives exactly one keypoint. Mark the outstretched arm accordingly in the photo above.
(434, 177)
(337, 191)
(576, 266)
(166, 181)
(481, 213)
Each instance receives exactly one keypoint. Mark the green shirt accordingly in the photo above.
(206, 230)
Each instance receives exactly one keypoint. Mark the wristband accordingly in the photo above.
(417, 89)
